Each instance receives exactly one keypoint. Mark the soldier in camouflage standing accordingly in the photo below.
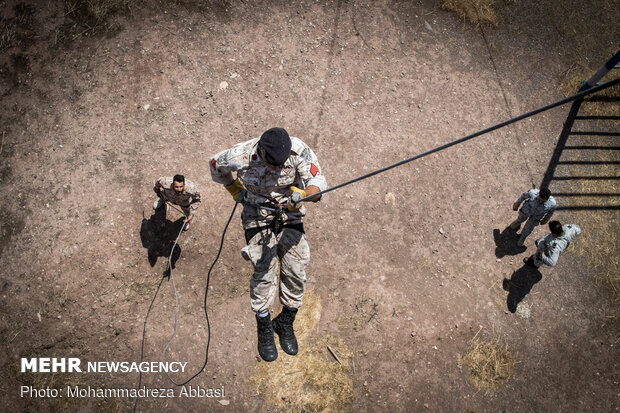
(273, 173)
(549, 247)
(178, 191)
(537, 209)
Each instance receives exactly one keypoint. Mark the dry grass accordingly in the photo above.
(490, 363)
(312, 381)
(8, 37)
(599, 243)
(95, 10)
(477, 12)
(309, 315)
(575, 76)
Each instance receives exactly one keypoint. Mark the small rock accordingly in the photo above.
(146, 107)
(413, 334)
(223, 85)
(426, 405)
(224, 402)
(428, 26)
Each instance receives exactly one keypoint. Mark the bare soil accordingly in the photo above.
(407, 267)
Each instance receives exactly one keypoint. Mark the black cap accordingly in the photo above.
(276, 145)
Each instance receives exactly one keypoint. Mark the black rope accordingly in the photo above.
(205, 303)
(473, 135)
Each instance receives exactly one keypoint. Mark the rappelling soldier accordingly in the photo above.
(273, 173)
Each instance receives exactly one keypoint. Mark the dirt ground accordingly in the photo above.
(407, 267)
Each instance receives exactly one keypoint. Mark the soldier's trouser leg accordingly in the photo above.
(517, 222)
(294, 254)
(527, 230)
(262, 250)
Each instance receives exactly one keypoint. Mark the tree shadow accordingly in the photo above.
(158, 235)
(519, 285)
(506, 242)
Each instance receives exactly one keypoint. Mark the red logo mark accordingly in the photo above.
(314, 170)
(254, 157)
(213, 163)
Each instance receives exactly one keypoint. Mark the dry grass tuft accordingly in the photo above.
(490, 363)
(95, 11)
(477, 12)
(8, 37)
(309, 315)
(312, 381)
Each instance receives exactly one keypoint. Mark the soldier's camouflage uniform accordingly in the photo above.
(533, 211)
(554, 245)
(188, 200)
(274, 244)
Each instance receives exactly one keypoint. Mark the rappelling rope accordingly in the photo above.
(176, 301)
(473, 135)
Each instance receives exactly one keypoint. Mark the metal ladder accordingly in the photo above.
(611, 64)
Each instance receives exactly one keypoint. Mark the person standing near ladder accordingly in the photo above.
(537, 209)
(273, 173)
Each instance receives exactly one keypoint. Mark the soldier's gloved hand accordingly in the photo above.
(297, 194)
(544, 221)
(515, 206)
(236, 189)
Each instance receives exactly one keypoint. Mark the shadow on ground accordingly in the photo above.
(519, 285)
(158, 236)
(506, 242)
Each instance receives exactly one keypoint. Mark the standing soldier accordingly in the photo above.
(537, 210)
(551, 245)
(178, 191)
(273, 173)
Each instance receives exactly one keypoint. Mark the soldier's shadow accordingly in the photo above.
(506, 242)
(519, 285)
(158, 235)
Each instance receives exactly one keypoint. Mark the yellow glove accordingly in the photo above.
(515, 206)
(544, 222)
(236, 189)
(296, 195)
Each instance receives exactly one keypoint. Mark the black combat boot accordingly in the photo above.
(283, 326)
(266, 344)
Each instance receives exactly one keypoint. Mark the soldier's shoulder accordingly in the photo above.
(297, 145)
(534, 192)
(299, 148)
(551, 202)
(237, 154)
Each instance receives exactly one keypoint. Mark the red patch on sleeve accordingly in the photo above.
(314, 170)
(213, 163)
(254, 157)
